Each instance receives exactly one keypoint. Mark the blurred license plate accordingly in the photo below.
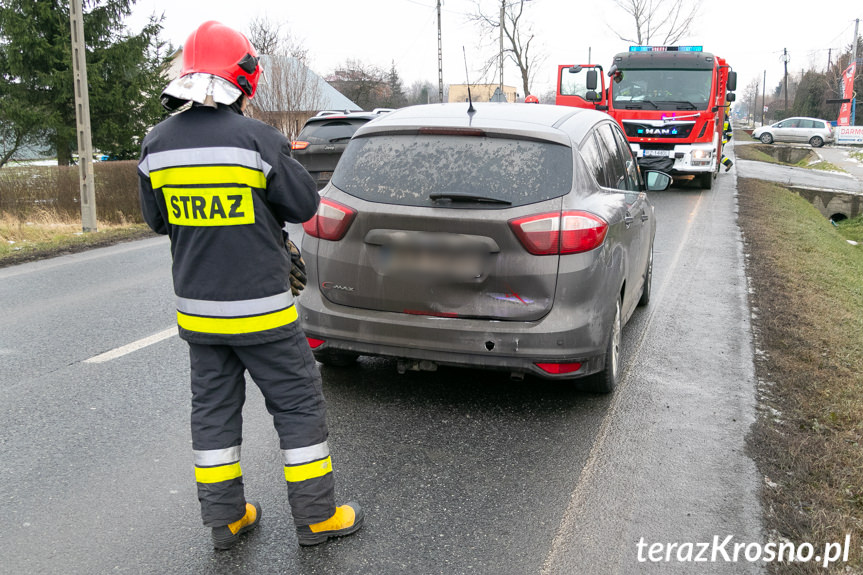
(663, 153)
(429, 264)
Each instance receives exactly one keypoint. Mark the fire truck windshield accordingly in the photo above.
(660, 89)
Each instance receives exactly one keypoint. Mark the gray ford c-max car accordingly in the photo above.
(515, 237)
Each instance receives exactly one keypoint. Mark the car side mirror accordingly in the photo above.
(731, 84)
(591, 80)
(729, 97)
(657, 181)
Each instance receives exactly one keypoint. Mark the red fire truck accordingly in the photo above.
(670, 101)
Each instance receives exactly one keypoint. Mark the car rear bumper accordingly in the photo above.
(572, 337)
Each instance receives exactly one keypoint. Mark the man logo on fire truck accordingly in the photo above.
(670, 102)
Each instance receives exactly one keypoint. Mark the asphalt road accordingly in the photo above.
(460, 471)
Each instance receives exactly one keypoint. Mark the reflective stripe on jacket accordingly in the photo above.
(222, 186)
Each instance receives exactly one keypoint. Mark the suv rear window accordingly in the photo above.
(405, 169)
(330, 131)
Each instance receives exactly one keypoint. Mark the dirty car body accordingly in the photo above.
(516, 237)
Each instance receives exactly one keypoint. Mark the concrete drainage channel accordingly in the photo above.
(787, 154)
(833, 204)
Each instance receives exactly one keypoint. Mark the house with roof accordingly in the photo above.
(288, 93)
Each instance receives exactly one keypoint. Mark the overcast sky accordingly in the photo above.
(750, 34)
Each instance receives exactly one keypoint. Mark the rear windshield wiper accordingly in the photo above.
(637, 104)
(459, 197)
(339, 139)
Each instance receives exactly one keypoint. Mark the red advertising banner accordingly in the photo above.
(847, 92)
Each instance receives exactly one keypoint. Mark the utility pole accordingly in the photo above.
(829, 58)
(854, 61)
(763, 96)
(502, 9)
(82, 115)
(785, 59)
(754, 103)
(439, 58)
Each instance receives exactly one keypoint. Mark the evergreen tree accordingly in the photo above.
(124, 73)
(397, 97)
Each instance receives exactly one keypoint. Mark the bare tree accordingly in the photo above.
(666, 19)
(517, 38)
(748, 99)
(265, 35)
(364, 84)
(423, 92)
(288, 91)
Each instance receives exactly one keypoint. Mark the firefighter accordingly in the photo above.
(726, 135)
(222, 186)
(531, 99)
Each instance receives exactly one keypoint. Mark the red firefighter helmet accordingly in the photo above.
(222, 51)
(531, 99)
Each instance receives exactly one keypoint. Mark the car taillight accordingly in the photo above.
(331, 221)
(568, 232)
(299, 145)
(558, 368)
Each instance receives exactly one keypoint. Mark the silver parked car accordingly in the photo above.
(810, 131)
(515, 237)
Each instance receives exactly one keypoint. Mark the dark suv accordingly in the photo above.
(323, 138)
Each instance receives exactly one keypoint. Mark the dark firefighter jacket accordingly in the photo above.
(222, 186)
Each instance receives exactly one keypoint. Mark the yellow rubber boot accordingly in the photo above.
(347, 519)
(227, 536)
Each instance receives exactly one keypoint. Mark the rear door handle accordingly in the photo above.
(628, 219)
(644, 216)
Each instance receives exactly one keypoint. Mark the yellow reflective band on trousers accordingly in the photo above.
(297, 473)
(217, 474)
(208, 175)
(208, 207)
(237, 325)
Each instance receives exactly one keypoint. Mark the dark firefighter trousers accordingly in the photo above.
(286, 373)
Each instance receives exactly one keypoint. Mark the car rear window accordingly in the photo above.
(405, 169)
(330, 131)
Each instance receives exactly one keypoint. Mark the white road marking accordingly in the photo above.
(134, 346)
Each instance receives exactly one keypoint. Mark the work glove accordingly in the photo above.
(298, 269)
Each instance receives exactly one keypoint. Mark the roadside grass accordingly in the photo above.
(807, 301)
(852, 229)
(767, 153)
(45, 234)
(740, 135)
(856, 155)
(40, 210)
(752, 152)
(822, 165)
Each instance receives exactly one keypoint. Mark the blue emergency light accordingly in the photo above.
(665, 48)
